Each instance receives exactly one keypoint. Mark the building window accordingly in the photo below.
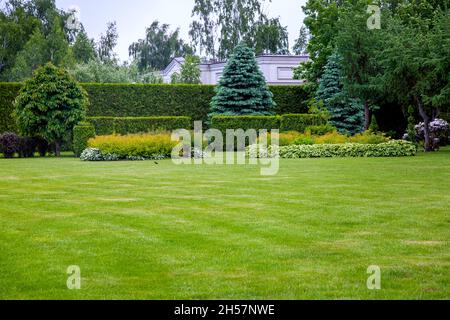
(285, 73)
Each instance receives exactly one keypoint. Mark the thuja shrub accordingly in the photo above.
(300, 122)
(137, 100)
(223, 123)
(81, 135)
(146, 146)
(103, 125)
(134, 125)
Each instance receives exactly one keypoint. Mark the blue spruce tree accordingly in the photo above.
(242, 90)
(347, 114)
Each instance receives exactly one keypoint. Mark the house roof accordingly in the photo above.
(175, 61)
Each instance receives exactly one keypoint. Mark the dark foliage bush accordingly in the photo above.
(27, 147)
(10, 144)
(42, 146)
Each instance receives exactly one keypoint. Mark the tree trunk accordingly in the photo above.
(367, 115)
(57, 148)
(426, 120)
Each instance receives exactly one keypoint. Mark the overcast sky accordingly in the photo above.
(133, 16)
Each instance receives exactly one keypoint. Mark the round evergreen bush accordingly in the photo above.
(50, 104)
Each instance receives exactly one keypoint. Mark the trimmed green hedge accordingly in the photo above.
(299, 122)
(8, 93)
(150, 124)
(103, 125)
(292, 99)
(81, 135)
(389, 149)
(129, 125)
(289, 122)
(223, 123)
(136, 100)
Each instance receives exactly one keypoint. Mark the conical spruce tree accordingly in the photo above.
(347, 114)
(242, 90)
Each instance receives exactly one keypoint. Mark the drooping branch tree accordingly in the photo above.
(270, 37)
(158, 47)
(107, 43)
(301, 44)
(220, 25)
(242, 90)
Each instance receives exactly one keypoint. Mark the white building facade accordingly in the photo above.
(277, 69)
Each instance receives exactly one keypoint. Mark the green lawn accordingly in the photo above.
(139, 230)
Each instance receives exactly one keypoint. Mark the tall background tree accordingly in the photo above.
(220, 25)
(346, 113)
(107, 43)
(270, 37)
(416, 67)
(83, 48)
(158, 47)
(33, 32)
(322, 17)
(301, 44)
(242, 90)
(190, 71)
(357, 45)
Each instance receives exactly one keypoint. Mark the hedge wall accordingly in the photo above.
(136, 100)
(130, 125)
(81, 135)
(288, 122)
(8, 93)
(223, 123)
(299, 122)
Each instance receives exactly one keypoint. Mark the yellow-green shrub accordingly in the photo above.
(337, 138)
(331, 138)
(369, 137)
(145, 145)
(286, 138)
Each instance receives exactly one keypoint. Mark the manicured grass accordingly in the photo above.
(140, 230)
